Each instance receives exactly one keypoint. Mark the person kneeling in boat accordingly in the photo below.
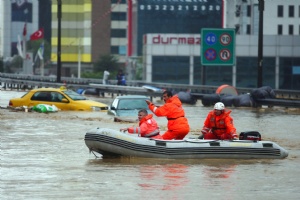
(219, 124)
(147, 127)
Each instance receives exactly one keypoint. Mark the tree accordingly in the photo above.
(106, 62)
(17, 62)
(34, 45)
(13, 64)
(139, 69)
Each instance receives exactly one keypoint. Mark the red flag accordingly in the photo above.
(24, 30)
(39, 34)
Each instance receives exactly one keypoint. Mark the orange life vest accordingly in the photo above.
(220, 124)
(174, 112)
(147, 127)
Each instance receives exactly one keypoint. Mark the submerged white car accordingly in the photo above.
(128, 105)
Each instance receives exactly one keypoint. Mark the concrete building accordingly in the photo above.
(118, 37)
(13, 17)
(76, 32)
(91, 28)
(18, 20)
(280, 17)
(180, 63)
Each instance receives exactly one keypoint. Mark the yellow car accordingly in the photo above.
(62, 98)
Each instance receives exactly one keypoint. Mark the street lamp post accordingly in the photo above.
(260, 44)
(59, 4)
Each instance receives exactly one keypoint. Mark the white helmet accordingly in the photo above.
(219, 106)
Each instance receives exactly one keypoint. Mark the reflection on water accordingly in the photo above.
(163, 177)
(43, 156)
(219, 171)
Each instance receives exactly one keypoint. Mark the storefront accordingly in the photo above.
(175, 58)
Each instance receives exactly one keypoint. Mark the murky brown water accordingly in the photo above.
(43, 156)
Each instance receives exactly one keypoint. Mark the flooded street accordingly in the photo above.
(43, 156)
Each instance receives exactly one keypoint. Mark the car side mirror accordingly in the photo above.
(113, 108)
(64, 100)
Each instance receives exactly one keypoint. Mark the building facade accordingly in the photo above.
(76, 41)
(91, 28)
(118, 37)
(175, 58)
(180, 63)
(13, 17)
(18, 20)
(280, 17)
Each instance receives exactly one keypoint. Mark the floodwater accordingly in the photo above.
(43, 156)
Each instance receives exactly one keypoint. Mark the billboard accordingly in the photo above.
(175, 16)
(21, 11)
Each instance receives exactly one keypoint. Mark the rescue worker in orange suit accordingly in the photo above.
(178, 126)
(219, 124)
(147, 127)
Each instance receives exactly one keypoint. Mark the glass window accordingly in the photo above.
(287, 79)
(237, 10)
(42, 96)
(118, 33)
(248, 29)
(122, 50)
(74, 95)
(131, 104)
(118, 16)
(57, 97)
(114, 49)
(291, 29)
(212, 75)
(280, 11)
(269, 71)
(279, 29)
(118, 1)
(237, 28)
(218, 75)
(291, 11)
(123, 104)
(247, 72)
(197, 70)
(249, 11)
(170, 69)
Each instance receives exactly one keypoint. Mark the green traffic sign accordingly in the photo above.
(217, 46)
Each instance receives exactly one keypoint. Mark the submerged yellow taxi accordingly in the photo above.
(62, 98)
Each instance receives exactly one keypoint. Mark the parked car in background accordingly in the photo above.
(128, 105)
(62, 98)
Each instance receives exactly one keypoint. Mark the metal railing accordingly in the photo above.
(20, 81)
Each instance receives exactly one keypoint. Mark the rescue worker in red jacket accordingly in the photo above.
(147, 127)
(178, 126)
(219, 124)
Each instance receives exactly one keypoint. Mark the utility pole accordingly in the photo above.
(260, 44)
(58, 41)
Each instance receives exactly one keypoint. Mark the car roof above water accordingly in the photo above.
(47, 89)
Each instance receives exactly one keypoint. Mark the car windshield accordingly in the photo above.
(73, 95)
(131, 104)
